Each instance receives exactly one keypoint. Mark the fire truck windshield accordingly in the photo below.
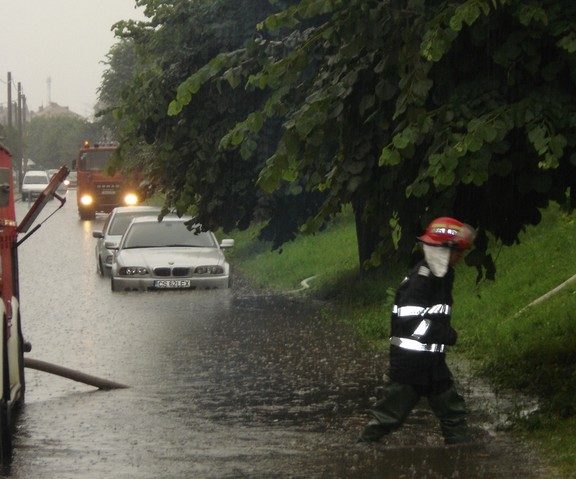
(94, 160)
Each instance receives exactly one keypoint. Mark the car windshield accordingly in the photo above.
(166, 234)
(120, 221)
(35, 180)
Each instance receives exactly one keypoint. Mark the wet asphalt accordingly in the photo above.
(227, 383)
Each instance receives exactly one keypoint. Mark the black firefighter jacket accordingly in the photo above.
(422, 312)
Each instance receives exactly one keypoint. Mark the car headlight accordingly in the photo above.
(130, 199)
(66, 182)
(86, 200)
(208, 270)
(133, 271)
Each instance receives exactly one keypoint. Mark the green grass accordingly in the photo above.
(326, 255)
(558, 443)
(532, 350)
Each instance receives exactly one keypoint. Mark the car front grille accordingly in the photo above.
(172, 271)
(180, 271)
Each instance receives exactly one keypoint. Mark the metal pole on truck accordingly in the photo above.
(20, 149)
(23, 132)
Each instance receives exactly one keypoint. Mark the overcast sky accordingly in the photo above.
(65, 40)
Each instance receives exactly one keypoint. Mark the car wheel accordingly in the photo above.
(113, 286)
(100, 267)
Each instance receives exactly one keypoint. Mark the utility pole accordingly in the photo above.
(9, 101)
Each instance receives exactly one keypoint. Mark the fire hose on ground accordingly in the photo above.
(44, 366)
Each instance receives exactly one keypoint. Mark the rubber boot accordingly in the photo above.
(450, 408)
(390, 412)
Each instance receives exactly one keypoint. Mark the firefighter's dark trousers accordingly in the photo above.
(399, 399)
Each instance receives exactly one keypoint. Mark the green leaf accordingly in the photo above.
(174, 108)
(568, 42)
(247, 149)
(557, 144)
(237, 137)
(290, 174)
(401, 140)
(418, 189)
(389, 157)
(529, 13)
(473, 143)
(538, 137)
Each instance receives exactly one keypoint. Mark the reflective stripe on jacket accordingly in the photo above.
(421, 314)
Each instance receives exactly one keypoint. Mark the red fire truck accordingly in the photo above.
(97, 191)
(12, 345)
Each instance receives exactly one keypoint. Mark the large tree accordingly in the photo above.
(409, 109)
(181, 156)
(406, 109)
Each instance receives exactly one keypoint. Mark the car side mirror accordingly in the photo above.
(97, 234)
(227, 243)
(110, 245)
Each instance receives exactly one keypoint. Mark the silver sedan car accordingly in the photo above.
(157, 255)
(112, 231)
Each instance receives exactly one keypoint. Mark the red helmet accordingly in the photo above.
(449, 232)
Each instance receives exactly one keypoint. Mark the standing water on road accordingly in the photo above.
(223, 383)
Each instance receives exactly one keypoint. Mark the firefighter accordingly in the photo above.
(420, 335)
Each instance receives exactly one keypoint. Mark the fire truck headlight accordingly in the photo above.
(131, 199)
(86, 200)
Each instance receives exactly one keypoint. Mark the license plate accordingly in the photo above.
(108, 192)
(172, 283)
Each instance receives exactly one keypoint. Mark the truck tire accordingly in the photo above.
(5, 434)
(5, 420)
(86, 214)
(21, 348)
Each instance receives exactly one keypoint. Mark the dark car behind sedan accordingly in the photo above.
(112, 231)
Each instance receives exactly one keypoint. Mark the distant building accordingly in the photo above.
(52, 110)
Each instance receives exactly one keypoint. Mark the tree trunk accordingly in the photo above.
(367, 235)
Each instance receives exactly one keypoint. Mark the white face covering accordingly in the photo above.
(438, 259)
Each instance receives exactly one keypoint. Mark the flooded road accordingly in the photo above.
(228, 383)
